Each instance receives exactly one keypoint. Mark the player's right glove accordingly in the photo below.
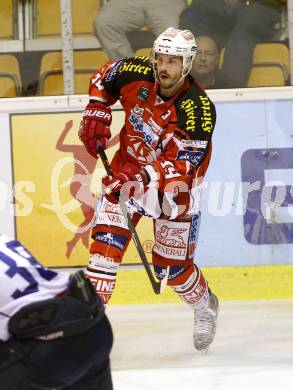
(94, 130)
(133, 175)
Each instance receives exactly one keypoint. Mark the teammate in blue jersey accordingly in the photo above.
(53, 330)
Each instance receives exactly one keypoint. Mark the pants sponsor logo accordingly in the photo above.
(110, 213)
(171, 242)
(111, 208)
(171, 236)
(114, 218)
(170, 252)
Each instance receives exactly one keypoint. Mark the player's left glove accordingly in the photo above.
(131, 177)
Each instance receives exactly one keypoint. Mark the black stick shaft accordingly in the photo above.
(156, 285)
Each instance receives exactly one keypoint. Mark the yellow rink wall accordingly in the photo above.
(229, 283)
(47, 161)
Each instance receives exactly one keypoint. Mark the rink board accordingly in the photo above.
(253, 143)
(229, 283)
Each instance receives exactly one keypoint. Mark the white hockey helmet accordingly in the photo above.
(176, 42)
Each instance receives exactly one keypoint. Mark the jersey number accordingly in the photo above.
(14, 270)
(98, 82)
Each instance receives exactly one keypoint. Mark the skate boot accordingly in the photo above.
(205, 322)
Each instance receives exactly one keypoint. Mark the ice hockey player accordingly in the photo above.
(165, 149)
(53, 330)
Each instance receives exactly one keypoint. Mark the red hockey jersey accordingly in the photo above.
(171, 137)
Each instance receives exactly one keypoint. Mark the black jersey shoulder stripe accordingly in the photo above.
(129, 70)
(196, 113)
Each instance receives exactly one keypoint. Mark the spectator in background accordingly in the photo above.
(118, 17)
(206, 63)
(236, 25)
(53, 330)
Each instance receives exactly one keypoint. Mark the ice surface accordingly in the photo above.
(253, 348)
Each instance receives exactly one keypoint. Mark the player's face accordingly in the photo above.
(169, 70)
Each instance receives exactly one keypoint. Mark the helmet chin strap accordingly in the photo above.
(181, 78)
(187, 70)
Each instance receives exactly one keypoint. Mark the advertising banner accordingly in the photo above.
(248, 197)
(57, 184)
(247, 205)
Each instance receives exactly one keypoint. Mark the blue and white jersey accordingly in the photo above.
(23, 281)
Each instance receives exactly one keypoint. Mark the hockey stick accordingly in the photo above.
(158, 286)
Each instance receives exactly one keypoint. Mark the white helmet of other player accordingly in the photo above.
(176, 43)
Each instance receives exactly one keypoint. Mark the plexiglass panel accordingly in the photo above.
(240, 43)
